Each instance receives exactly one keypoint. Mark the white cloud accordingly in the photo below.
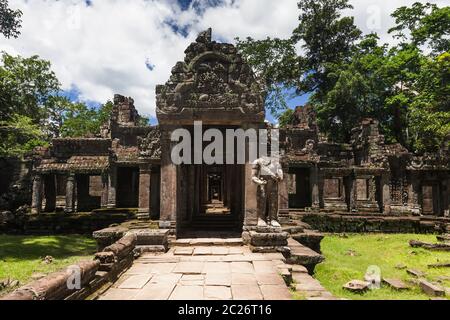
(102, 49)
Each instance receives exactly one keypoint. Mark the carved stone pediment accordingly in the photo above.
(212, 76)
(150, 145)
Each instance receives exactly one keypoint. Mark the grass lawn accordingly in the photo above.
(348, 259)
(21, 256)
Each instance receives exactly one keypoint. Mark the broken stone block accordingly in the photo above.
(430, 246)
(258, 239)
(396, 284)
(439, 265)
(356, 286)
(400, 266)
(443, 238)
(415, 273)
(431, 289)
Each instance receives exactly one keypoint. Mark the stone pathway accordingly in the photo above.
(203, 273)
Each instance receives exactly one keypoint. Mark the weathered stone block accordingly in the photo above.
(431, 289)
(258, 239)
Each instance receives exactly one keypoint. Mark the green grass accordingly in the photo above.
(21, 256)
(383, 250)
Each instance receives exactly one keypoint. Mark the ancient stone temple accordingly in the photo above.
(130, 166)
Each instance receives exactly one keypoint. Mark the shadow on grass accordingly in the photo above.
(35, 247)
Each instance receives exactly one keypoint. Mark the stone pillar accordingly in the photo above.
(385, 192)
(50, 193)
(283, 198)
(36, 202)
(70, 194)
(251, 192)
(169, 188)
(112, 185)
(104, 198)
(144, 192)
(413, 194)
(353, 193)
(314, 181)
(446, 195)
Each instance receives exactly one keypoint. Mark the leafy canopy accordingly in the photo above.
(350, 76)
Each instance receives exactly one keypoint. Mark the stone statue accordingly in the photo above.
(267, 173)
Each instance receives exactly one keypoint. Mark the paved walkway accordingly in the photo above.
(203, 273)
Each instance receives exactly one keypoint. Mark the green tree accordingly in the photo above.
(351, 76)
(423, 24)
(10, 20)
(78, 120)
(27, 86)
(19, 135)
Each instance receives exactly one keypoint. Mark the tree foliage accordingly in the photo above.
(33, 109)
(10, 20)
(351, 76)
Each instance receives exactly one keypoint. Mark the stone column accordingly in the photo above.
(112, 185)
(385, 192)
(50, 193)
(314, 181)
(251, 191)
(353, 193)
(283, 197)
(36, 202)
(169, 188)
(144, 192)
(70, 194)
(104, 198)
(413, 194)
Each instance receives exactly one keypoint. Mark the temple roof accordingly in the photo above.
(77, 164)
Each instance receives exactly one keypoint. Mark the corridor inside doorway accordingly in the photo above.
(213, 199)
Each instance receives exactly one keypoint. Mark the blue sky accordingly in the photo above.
(101, 47)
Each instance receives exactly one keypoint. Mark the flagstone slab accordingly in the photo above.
(275, 292)
(269, 279)
(217, 267)
(202, 251)
(158, 268)
(119, 294)
(183, 251)
(192, 280)
(167, 278)
(218, 279)
(155, 291)
(189, 267)
(217, 293)
(242, 267)
(264, 267)
(246, 292)
(187, 293)
(135, 282)
(243, 278)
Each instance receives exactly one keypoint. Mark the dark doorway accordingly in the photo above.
(299, 188)
(212, 198)
(127, 187)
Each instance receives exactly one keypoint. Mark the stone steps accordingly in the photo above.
(310, 239)
(207, 242)
(308, 287)
(303, 255)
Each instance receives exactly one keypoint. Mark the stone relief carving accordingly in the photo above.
(213, 75)
(150, 145)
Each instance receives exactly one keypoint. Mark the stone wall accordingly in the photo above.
(95, 276)
(15, 184)
(341, 223)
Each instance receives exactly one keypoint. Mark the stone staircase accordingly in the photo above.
(215, 222)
